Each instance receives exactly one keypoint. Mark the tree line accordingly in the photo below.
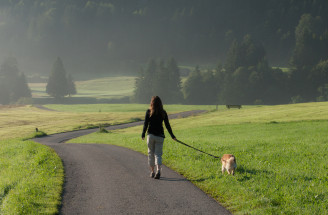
(247, 78)
(159, 78)
(14, 87)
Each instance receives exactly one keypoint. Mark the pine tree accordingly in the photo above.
(193, 87)
(174, 82)
(13, 81)
(4, 95)
(161, 82)
(21, 88)
(57, 86)
(139, 86)
(159, 79)
(71, 85)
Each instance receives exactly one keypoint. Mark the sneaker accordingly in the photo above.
(152, 175)
(158, 175)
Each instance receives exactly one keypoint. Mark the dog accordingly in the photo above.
(229, 163)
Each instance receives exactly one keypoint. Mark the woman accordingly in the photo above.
(154, 123)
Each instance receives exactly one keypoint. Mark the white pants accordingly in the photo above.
(155, 150)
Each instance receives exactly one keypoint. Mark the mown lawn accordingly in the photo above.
(281, 153)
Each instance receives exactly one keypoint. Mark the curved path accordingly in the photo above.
(107, 179)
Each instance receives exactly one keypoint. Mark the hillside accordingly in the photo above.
(115, 36)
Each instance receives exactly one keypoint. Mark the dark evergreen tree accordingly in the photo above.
(57, 86)
(71, 85)
(140, 89)
(159, 79)
(21, 88)
(13, 82)
(144, 89)
(310, 48)
(4, 94)
(192, 87)
(174, 82)
(160, 87)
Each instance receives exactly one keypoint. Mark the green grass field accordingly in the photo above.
(281, 153)
(31, 178)
(102, 88)
(130, 108)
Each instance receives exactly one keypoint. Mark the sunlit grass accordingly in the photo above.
(281, 153)
(22, 121)
(126, 108)
(107, 88)
(31, 178)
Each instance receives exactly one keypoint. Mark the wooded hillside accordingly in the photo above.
(96, 35)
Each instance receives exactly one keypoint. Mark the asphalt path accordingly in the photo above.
(107, 179)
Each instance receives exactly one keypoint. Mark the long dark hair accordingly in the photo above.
(156, 106)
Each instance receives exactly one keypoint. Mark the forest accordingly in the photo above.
(119, 36)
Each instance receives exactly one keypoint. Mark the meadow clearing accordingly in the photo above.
(281, 153)
(100, 88)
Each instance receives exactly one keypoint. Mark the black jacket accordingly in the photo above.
(154, 124)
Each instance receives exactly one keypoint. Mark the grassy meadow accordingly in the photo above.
(101, 88)
(281, 153)
(21, 121)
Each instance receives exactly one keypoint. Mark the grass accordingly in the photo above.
(130, 108)
(31, 178)
(21, 121)
(31, 175)
(102, 88)
(281, 153)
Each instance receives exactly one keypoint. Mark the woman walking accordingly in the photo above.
(154, 118)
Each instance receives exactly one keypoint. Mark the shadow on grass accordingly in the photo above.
(184, 179)
(248, 173)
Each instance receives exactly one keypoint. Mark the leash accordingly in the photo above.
(216, 157)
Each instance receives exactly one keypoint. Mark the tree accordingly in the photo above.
(310, 40)
(4, 94)
(192, 87)
(144, 87)
(159, 79)
(57, 86)
(174, 82)
(71, 85)
(13, 81)
(21, 88)
(160, 87)
(310, 50)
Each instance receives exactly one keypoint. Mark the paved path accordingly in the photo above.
(107, 179)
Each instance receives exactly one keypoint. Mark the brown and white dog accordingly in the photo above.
(229, 163)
